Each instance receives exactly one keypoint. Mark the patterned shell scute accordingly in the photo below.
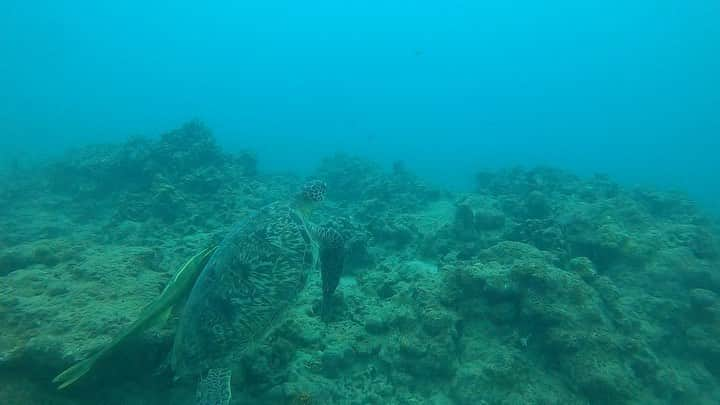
(252, 278)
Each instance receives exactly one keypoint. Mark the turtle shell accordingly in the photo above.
(250, 281)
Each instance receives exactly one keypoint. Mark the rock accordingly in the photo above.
(583, 267)
(11, 261)
(537, 205)
(376, 325)
(701, 299)
(247, 162)
(436, 322)
(464, 223)
(334, 359)
(46, 252)
(603, 377)
(489, 219)
(304, 333)
(540, 288)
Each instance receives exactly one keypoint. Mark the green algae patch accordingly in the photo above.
(44, 252)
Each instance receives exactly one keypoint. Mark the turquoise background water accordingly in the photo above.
(625, 88)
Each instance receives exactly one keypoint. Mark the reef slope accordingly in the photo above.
(539, 287)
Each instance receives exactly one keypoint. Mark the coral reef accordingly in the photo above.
(539, 287)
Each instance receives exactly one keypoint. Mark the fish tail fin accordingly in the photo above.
(75, 372)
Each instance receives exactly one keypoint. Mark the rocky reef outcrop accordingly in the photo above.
(536, 287)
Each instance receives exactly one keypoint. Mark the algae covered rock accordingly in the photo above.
(489, 219)
(393, 231)
(489, 282)
(609, 244)
(537, 205)
(698, 239)
(187, 147)
(94, 171)
(457, 232)
(583, 267)
(187, 158)
(551, 307)
(704, 303)
(602, 377)
(98, 294)
(540, 287)
(417, 331)
(701, 298)
(464, 223)
(44, 252)
(357, 179)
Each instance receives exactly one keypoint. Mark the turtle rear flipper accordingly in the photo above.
(214, 389)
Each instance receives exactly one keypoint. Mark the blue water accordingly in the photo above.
(625, 88)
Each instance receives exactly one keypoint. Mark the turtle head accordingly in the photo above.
(310, 195)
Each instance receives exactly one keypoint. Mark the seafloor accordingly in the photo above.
(538, 287)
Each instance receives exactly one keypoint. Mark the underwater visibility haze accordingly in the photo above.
(623, 88)
(360, 202)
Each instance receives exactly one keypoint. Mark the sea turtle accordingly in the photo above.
(155, 313)
(246, 287)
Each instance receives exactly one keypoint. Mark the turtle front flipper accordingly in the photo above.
(214, 389)
(332, 259)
